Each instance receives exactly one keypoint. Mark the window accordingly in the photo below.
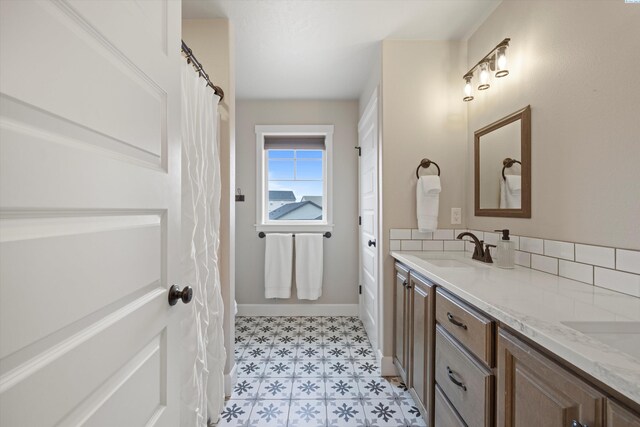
(294, 179)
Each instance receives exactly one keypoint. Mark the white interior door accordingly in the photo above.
(368, 197)
(89, 212)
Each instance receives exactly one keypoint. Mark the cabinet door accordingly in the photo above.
(617, 416)
(400, 297)
(421, 341)
(534, 390)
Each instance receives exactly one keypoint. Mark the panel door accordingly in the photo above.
(368, 233)
(533, 390)
(421, 342)
(89, 212)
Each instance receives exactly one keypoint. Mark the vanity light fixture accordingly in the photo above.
(484, 76)
(496, 60)
(468, 90)
(501, 62)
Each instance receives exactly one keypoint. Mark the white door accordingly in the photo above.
(368, 197)
(89, 212)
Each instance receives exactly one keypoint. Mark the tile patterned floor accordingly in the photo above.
(312, 371)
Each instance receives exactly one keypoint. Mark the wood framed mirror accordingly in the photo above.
(502, 152)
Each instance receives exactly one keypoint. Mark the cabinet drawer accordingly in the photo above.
(467, 384)
(444, 414)
(469, 327)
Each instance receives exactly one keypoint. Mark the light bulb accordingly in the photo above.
(484, 76)
(468, 90)
(501, 62)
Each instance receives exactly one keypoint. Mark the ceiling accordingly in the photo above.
(325, 49)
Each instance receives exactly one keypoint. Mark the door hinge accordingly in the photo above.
(359, 220)
(359, 151)
(360, 290)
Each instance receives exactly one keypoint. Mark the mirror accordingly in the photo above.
(503, 167)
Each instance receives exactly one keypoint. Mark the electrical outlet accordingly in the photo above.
(456, 215)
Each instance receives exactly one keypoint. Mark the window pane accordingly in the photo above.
(280, 169)
(309, 169)
(307, 204)
(280, 154)
(309, 154)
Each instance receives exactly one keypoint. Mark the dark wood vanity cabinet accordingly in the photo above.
(464, 368)
(401, 327)
(534, 390)
(464, 360)
(414, 298)
(617, 416)
(421, 357)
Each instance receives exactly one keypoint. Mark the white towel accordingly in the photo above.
(503, 193)
(309, 265)
(510, 190)
(278, 264)
(428, 202)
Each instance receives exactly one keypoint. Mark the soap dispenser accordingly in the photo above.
(505, 251)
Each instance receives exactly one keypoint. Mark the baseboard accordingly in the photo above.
(387, 368)
(230, 380)
(297, 309)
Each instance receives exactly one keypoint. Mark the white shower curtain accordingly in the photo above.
(203, 386)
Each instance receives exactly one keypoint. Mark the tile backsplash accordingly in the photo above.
(611, 268)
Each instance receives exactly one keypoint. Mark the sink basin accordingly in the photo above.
(624, 336)
(448, 263)
(443, 262)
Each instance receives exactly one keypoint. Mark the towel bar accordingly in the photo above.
(425, 163)
(507, 163)
(262, 235)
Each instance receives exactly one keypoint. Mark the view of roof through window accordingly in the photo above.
(295, 184)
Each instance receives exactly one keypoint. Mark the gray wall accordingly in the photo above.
(577, 64)
(372, 83)
(422, 116)
(341, 250)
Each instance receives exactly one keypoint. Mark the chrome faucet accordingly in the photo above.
(480, 253)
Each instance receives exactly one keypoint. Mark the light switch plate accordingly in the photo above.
(456, 215)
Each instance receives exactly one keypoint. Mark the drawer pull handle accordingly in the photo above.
(455, 322)
(575, 423)
(455, 381)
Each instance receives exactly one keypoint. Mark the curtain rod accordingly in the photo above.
(262, 235)
(191, 59)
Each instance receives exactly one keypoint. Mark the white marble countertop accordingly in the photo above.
(538, 304)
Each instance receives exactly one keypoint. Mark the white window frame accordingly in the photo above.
(263, 223)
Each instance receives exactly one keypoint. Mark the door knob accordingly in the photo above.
(372, 243)
(176, 294)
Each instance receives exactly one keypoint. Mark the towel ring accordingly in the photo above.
(507, 163)
(425, 163)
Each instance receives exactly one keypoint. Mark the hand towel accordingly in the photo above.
(428, 202)
(503, 193)
(513, 185)
(309, 265)
(278, 264)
